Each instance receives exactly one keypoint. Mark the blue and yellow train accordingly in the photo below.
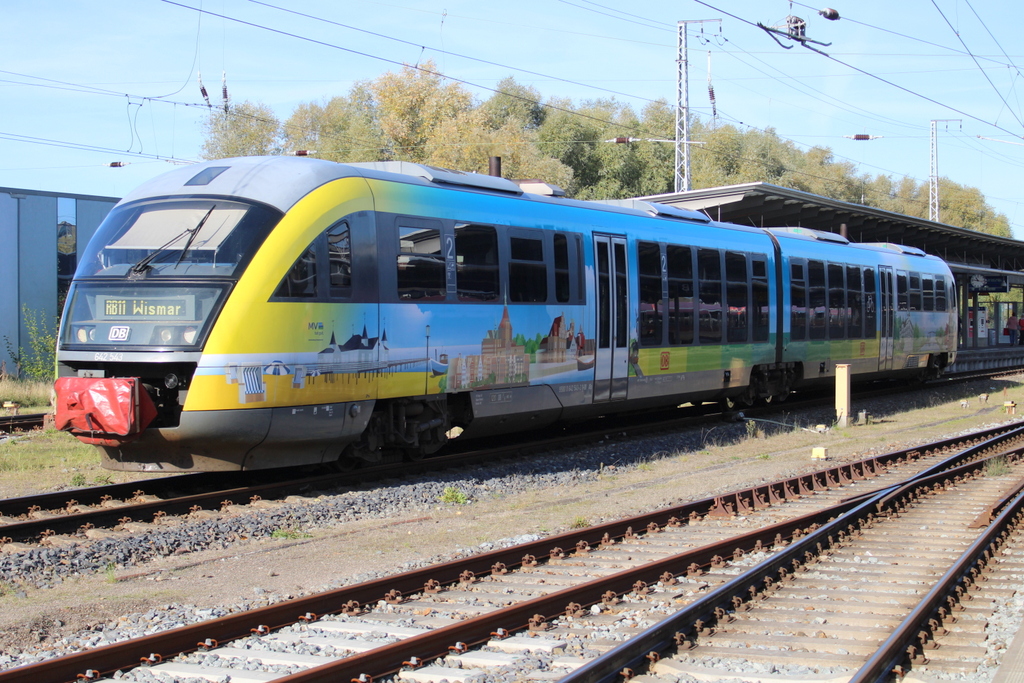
(264, 312)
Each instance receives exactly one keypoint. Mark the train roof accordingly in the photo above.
(282, 181)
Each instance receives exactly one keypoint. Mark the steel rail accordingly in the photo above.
(684, 627)
(909, 639)
(127, 654)
(11, 423)
(755, 497)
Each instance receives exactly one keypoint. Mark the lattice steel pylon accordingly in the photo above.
(682, 174)
(933, 177)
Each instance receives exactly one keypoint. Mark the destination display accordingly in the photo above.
(145, 307)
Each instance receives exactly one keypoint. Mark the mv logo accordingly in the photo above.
(314, 326)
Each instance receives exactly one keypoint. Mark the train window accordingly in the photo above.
(680, 294)
(581, 289)
(836, 302)
(621, 297)
(902, 303)
(339, 259)
(651, 307)
(562, 278)
(476, 262)
(927, 293)
(300, 282)
(760, 309)
(736, 296)
(870, 320)
(816, 299)
(527, 272)
(709, 275)
(604, 292)
(421, 273)
(915, 292)
(797, 303)
(854, 303)
(940, 293)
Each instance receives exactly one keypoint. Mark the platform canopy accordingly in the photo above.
(771, 206)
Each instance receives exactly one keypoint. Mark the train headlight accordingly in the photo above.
(189, 335)
(165, 335)
(85, 334)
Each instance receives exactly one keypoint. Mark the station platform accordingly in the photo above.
(988, 358)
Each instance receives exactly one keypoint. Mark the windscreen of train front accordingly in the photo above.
(157, 270)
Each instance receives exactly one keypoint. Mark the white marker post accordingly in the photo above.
(843, 395)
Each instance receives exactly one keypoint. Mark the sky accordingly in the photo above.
(85, 84)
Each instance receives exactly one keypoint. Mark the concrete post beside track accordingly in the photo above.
(842, 395)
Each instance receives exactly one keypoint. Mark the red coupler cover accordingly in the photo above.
(102, 409)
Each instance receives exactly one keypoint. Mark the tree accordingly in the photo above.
(246, 129)
(411, 106)
(342, 129)
(514, 104)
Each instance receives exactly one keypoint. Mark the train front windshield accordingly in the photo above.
(173, 238)
(157, 271)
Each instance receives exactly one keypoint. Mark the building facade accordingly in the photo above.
(41, 236)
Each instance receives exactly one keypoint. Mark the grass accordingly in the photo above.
(997, 467)
(453, 495)
(290, 534)
(580, 522)
(33, 396)
(46, 450)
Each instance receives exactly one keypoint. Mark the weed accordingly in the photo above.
(452, 494)
(645, 467)
(580, 522)
(31, 395)
(78, 479)
(110, 572)
(37, 360)
(290, 534)
(997, 467)
(764, 456)
(102, 480)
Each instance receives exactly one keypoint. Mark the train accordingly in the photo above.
(263, 312)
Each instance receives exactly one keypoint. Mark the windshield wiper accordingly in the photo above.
(192, 235)
(144, 262)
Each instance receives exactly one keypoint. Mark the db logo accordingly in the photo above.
(119, 333)
(664, 360)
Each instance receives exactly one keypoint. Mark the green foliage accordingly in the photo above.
(26, 393)
(289, 534)
(37, 360)
(246, 129)
(579, 522)
(997, 467)
(78, 479)
(453, 495)
(416, 114)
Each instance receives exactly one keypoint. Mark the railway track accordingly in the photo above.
(20, 423)
(586, 605)
(86, 512)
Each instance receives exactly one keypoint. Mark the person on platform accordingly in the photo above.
(1021, 330)
(1013, 328)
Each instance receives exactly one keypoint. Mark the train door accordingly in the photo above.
(611, 368)
(886, 309)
